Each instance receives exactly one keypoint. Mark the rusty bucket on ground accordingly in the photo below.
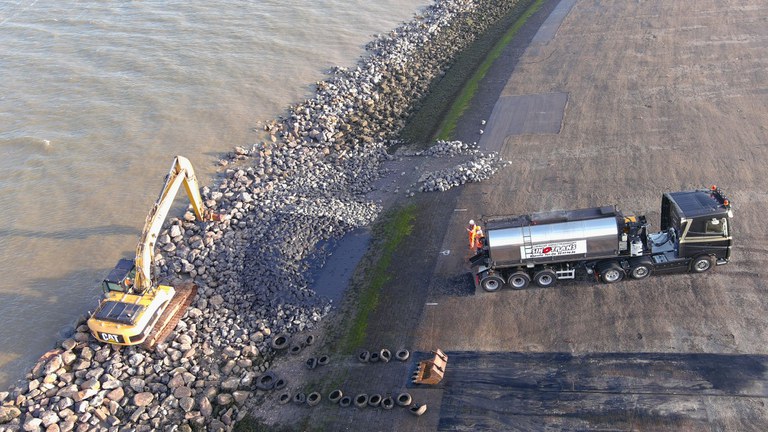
(431, 371)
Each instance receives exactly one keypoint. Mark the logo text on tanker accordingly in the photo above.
(554, 249)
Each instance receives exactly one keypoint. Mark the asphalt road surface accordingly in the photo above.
(615, 103)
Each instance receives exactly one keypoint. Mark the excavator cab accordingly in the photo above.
(121, 278)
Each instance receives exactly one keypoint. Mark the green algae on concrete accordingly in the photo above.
(450, 94)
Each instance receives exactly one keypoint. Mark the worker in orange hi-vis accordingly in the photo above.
(479, 236)
(475, 234)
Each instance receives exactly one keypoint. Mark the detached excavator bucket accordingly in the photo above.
(431, 371)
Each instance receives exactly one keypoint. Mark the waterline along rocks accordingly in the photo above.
(307, 184)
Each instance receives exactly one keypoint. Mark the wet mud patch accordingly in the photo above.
(532, 391)
(342, 256)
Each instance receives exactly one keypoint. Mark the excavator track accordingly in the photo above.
(184, 296)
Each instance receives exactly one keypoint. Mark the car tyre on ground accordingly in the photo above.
(402, 355)
(280, 341)
(418, 409)
(385, 355)
(387, 403)
(374, 400)
(335, 396)
(313, 398)
(361, 400)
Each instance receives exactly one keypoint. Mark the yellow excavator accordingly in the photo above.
(134, 310)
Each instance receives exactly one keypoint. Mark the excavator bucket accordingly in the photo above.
(184, 296)
(431, 371)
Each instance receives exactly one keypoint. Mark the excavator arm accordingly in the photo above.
(181, 173)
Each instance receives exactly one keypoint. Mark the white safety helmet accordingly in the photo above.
(471, 221)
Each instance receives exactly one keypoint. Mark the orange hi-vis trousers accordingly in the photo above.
(474, 237)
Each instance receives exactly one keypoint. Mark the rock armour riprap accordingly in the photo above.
(480, 167)
(306, 184)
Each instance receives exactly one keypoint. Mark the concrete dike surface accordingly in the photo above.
(662, 96)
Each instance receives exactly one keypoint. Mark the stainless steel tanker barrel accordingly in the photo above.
(553, 242)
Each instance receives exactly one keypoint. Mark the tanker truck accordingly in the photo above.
(605, 244)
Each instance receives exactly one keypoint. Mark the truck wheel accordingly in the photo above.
(492, 283)
(640, 269)
(545, 278)
(701, 264)
(611, 273)
(519, 280)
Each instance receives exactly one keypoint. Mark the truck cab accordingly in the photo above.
(541, 248)
(694, 224)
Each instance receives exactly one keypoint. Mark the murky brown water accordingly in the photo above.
(95, 100)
